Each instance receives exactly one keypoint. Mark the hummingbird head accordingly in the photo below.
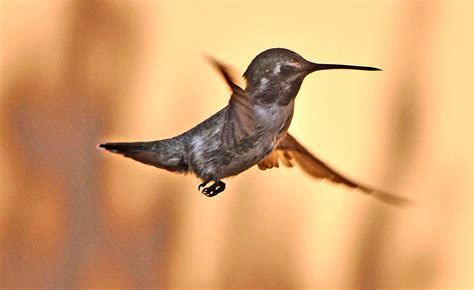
(279, 72)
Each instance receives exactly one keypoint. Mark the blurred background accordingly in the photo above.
(76, 73)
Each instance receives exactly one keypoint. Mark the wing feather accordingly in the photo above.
(239, 122)
(290, 150)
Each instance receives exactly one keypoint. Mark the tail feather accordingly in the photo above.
(123, 147)
(161, 154)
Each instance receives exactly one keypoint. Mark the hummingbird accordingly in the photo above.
(251, 130)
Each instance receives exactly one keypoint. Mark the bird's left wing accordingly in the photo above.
(289, 149)
(240, 121)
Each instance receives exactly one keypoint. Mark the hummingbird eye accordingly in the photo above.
(287, 68)
(293, 59)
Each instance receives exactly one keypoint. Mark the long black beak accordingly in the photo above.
(323, 66)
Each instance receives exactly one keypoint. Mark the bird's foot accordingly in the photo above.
(203, 184)
(212, 190)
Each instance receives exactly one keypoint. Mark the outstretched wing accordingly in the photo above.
(289, 149)
(239, 121)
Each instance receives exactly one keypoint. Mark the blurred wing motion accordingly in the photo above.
(289, 149)
(224, 70)
(239, 122)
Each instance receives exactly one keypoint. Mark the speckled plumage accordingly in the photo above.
(250, 130)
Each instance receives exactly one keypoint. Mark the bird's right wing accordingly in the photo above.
(225, 71)
(240, 121)
(289, 149)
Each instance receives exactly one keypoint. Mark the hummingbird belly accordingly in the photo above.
(211, 157)
(272, 122)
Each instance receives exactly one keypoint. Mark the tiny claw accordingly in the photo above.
(209, 191)
(203, 184)
(213, 189)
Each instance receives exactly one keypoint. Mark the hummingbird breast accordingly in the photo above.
(272, 123)
(212, 157)
(274, 119)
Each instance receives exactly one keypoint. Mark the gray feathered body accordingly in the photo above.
(216, 148)
(240, 135)
(223, 145)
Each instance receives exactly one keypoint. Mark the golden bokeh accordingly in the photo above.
(77, 73)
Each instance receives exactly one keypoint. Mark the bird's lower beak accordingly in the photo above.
(322, 66)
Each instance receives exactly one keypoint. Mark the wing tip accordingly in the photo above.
(389, 198)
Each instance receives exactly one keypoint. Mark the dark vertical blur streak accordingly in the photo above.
(100, 41)
(55, 124)
(376, 235)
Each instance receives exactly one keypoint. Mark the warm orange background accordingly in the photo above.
(76, 73)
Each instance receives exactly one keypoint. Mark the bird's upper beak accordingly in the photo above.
(312, 67)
